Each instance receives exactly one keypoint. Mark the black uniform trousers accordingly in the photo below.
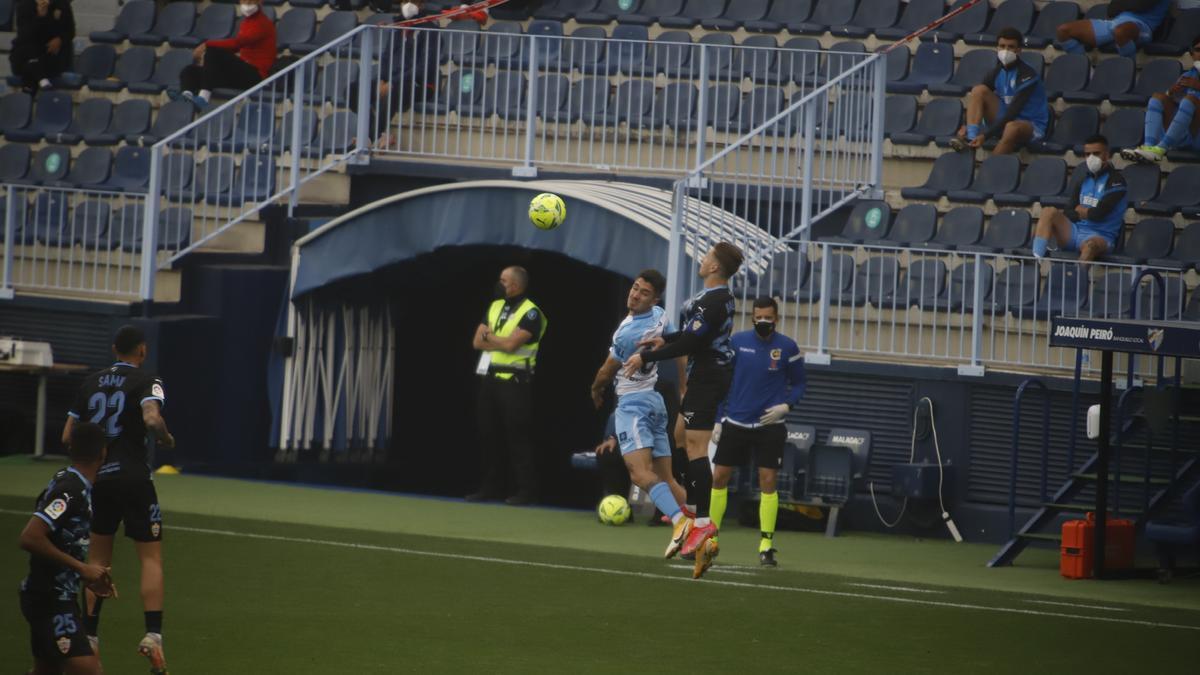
(34, 64)
(222, 69)
(505, 435)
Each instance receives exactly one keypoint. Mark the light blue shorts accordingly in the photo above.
(642, 423)
(1081, 232)
(1103, 28)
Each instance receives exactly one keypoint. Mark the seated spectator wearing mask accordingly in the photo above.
(239, 62)
(42, 48)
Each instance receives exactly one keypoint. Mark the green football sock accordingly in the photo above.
(768, 509)
(716, 509)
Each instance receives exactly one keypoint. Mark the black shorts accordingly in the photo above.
(765, 442)
(134, 502)
(56, 629)
(705, 391)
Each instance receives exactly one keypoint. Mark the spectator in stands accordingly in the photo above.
(1171, 119)
(1129, 24)
(42, 47)
(1011, 101)
(1093, 221)
(239, 62)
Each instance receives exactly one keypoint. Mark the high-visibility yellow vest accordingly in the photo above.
(505, 364)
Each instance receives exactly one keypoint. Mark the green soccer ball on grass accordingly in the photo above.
(613, 510)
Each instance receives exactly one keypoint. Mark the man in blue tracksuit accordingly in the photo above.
(1009, 105)
(1093, 221)
(768, 379)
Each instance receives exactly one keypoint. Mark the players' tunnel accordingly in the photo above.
(399, 286)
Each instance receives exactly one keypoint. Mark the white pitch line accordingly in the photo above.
(714, 568)
(665, 577)
(1072, 604)
(905, 589)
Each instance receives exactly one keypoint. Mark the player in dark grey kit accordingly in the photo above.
(56, 538)
(126, 402)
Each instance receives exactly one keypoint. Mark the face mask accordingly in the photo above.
(247, 10)
(498, 291)
(764, 328)
(1006, 57)
(409, 10)
(1094, 163)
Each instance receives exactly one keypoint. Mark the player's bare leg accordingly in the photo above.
(99, 553)
(150, 556)
(1016, 134)
(1054, 226)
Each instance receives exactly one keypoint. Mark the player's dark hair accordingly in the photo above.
(1010, 33)
(87, 442)
(128, 338)
(1096, 138)
(729, 257)
(655, 279)
(764, 302)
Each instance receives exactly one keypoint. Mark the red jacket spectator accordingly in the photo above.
(254, 42)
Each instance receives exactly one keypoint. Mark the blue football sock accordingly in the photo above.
(1039, 246)
(1154, 122)
(973, 130)
(663, 499)
(1128, 50)
(1179, 131)
(1072, 46)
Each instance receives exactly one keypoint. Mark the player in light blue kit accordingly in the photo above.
(641, 415)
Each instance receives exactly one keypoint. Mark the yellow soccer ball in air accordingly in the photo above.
(547, 211)
(613, 510)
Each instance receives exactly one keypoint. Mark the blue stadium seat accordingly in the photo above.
(1124, 128)
(798, 61)
(720, 48)
(503, 95)
(1062, 199)
(1009, 14)
(939, 122)
(959, 295)
(1017, 289)
(879, 276)
(1186, 253)
(15, 109)
(50, 164)
(563, 10)
(1034, 60)
(997, 174)
(52, 116)
(782, 15)
(871, 16)
(337, 133)
(131, 169)
(635, 99)
(650, 11)
(1142, 181)
(213, 180)
(897, 65)
(1179, 193)
(841, 277)
(166, 73)
(553, 92)
(48, 220)
(1156, 76)
(504, 46)
(254, 129)
(178, 174)
(870, 220)
(172, 116)
(972, 68)
(1073, 126)
(760, 105)
(917, 14)
(1149, 239)
(464, 87)
(961, 226)
(89, 222)
(607, 11)
(951, 171)
(174, 229)
(974, 20)
(136, 17)
(739, 13)
(1066, 293)
(96, 62)
(840, 57)
(827, 14)
(308, 129)
(915, 225)
(175, 20)
(933, 64)
(211, 132)
(335, 82)
(90, 169)
(333, 26)
(125, 228)
(924, 284)
(255, 182)
(14, 162)
(1007, 232)
(214, 23)
(295, 27)
(1045, 176)
(899, 114)
(1172, 296)
(6, 15)
(758, 60)
(135, 64)
(1045, 28)
(587, 50)
(460, 43)
(548, 44)
(130, 118)
(92, 117)
(1068, 72)
(723, 103)
(1110, 295)
(674, 106)
(627, 50)
(695, 12)
(1113, 76)
(1178, 41)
